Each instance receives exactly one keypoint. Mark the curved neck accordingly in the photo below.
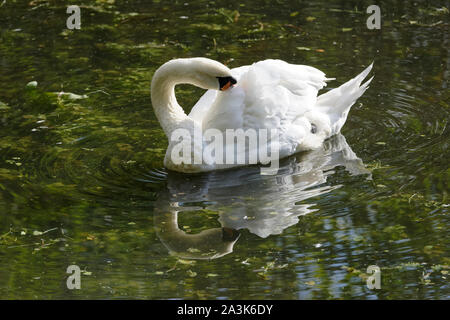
(169, 113)
(200, 72)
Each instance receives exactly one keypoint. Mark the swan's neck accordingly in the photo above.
(169, 113)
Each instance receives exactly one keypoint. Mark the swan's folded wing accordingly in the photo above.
(270, 94)
(277, 93)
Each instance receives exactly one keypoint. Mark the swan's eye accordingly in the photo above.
(226, 82)
(313, 128)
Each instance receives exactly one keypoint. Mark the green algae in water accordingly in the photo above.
(91, 171)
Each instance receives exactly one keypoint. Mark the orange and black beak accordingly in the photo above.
(226, 82)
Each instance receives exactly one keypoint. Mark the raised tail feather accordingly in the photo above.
(337, 102)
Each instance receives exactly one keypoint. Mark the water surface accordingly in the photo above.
(82, 180)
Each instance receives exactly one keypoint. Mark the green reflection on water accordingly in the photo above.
(81, 179)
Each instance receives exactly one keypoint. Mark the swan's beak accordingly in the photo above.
(226, 82)
(229, 234)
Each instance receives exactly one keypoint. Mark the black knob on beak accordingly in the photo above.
(226, 82)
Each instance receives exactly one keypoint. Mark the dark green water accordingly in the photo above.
(82, 180)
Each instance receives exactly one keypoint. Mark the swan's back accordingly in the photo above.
(273, 94)
(269, 94)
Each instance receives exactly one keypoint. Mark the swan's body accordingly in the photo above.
(270, 94)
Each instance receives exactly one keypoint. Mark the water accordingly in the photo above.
(82, 180)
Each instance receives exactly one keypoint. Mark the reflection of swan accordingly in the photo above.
(265, 205)
(208, 244)
(270, 94)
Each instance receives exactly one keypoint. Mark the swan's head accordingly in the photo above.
(201, 72)
(208, 244)
(320, 124)
(318, 128)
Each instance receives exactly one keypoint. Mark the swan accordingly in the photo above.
(267, 95)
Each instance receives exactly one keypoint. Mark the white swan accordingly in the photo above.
(269, 94)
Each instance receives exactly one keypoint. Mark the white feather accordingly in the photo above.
(270, 94)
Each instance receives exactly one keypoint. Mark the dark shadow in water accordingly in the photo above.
(264, 205)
